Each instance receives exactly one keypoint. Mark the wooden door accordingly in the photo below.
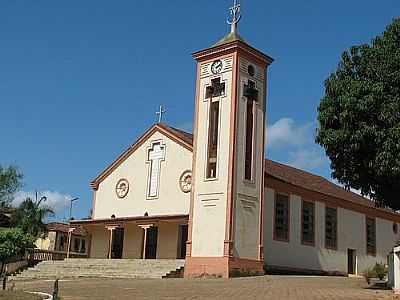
(117, 243)
(183, 235)
(151, 243)
(351, 261)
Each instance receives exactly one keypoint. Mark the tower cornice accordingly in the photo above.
(229, 47)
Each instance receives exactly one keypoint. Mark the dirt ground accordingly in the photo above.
(17, 295)
(265, 287)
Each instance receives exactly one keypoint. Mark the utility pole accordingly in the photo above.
(70, 208)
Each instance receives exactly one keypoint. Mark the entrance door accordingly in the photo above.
(151, 243)
(351, 261)
(117, 243)
(183, 235)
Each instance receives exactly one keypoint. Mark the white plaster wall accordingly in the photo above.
(351, 235)
(171, 199)
(247, 194)
(209, 211)
(100, 241)
(133, 241)
(167, 244)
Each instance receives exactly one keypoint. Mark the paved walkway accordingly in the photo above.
(266, 287)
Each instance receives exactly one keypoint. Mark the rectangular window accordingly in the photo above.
(248, 168)
(281, 221)
(331, 228)
(308, 223)
(213, 140)
(371, 236)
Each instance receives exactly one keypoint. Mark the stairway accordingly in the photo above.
(104, 268)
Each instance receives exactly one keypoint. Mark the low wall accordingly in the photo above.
(13, 267)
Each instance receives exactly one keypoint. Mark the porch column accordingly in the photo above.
(144, 227)
(70, 230)
(111, 229)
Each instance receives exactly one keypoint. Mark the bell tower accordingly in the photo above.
(226, 212)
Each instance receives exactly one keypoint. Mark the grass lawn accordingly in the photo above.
(18, 295)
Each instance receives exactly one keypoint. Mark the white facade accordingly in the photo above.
(351, 234)
(167, 199)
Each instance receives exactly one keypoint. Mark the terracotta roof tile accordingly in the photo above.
(312, 182)
(61, 227)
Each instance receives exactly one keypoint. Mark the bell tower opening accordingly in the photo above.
(213, 140)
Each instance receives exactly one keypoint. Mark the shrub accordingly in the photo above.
(380, 270)
(14, 242)
(368, 274)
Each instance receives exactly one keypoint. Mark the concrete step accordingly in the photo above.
(103, 268)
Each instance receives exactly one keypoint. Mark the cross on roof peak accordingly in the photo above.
(160, 113)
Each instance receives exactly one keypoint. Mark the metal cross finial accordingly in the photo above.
(160, 113)
(234, 11)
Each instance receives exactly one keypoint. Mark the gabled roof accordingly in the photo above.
(312, 182)
(181, 137)
(279, 171)
(62, 227)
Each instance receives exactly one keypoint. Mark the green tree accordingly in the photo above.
(30, 216)
(359, 118)
(13, 242)
(10, 181)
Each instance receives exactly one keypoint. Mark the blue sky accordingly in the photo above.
(81, 80)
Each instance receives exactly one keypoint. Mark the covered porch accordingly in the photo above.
(155, 237)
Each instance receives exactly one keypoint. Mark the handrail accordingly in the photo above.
(45, 255)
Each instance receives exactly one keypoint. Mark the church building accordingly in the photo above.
(212, 199)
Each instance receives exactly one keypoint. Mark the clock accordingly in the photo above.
(122, 188)
(216, 66)
(185, 181)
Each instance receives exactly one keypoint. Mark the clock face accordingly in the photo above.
(185, 182)
(122, 188)
(216, 67)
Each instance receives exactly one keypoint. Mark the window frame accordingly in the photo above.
(303, 242)
(371, 253)
(275, 237)
(336, 230)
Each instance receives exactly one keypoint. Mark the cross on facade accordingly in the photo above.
(160, 113)
(156, 154)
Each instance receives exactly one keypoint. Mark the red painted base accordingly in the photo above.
(224, 267)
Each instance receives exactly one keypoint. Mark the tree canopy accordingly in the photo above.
(30, 216)
(359, 118)
(10, 181)
(14, 242)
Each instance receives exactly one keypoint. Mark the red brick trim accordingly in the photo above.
(224, 267)
(228, 247)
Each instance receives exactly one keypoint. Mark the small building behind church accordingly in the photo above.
(56, 239)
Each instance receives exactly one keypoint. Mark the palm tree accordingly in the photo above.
(30, 215)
